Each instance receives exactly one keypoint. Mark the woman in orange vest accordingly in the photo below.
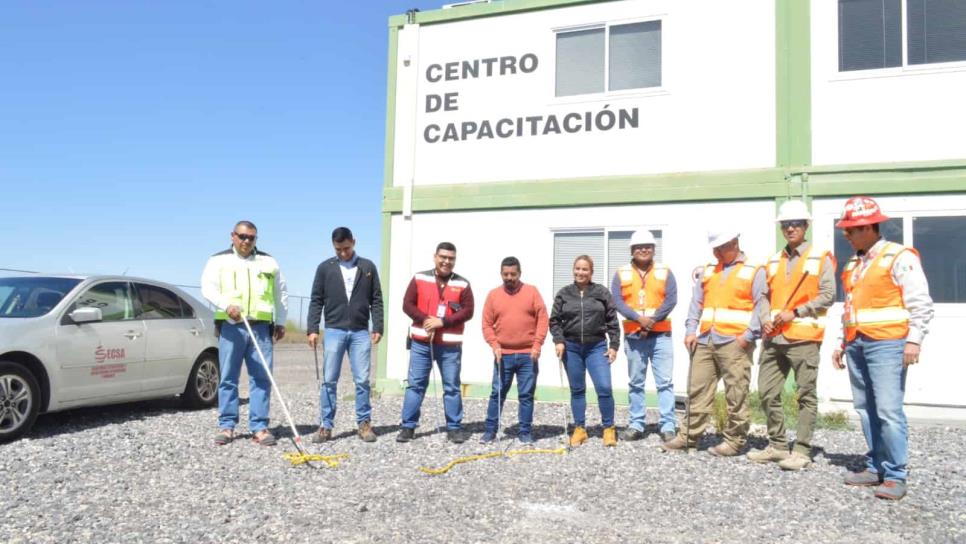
(887, 310)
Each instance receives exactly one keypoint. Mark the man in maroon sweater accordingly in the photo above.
(515, 326)
(439, 301)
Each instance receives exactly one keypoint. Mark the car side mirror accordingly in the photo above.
(86, 315)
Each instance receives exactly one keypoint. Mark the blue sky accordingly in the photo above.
(133, 134)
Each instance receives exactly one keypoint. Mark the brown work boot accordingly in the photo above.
(366, 433)
(610, 436)
(323, 435)
(578, 437)
(678, 443)
(768, 455)
(797, 461)
(723, 449)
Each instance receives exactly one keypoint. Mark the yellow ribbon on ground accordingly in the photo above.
(445, 468)
(296, 458)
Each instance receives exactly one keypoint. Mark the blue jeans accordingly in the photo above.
(235, 345)
(580, 359)
(878, 380)
(420, 365)
(359, 346)
(658, 350)
(526, 372)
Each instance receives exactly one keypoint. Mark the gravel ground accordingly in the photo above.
(148, 472)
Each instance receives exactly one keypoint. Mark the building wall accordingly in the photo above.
(752, 111)
(715, 109)
(888, 115)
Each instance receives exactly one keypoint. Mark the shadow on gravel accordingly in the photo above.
(93, 417)
(851, 461)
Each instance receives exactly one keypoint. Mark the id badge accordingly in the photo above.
(441, 310)
(640, 297)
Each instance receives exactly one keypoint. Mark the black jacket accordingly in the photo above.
(328, 292)
(584, 319)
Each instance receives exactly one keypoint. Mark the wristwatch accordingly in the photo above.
(795, 311)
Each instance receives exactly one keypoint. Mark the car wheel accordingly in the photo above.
(19, 400)
(202, 388)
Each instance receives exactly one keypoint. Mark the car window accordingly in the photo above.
(113, 298)
(33, 296)
(159, 303)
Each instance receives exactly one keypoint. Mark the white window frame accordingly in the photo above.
(894, 71)
(607, 94)
(605, 231)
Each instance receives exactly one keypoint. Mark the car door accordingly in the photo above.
(103, 359)
(173, 337)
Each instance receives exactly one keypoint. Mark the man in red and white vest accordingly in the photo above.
(887, 310)
(440, 302)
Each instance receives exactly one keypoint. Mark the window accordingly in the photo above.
(890, 230)
(610, 58)
(941, 242)
(113, 298)
(567, 246)
(608, 249)
(159, 303)
(871, 33)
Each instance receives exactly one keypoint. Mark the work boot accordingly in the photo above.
(866, 478)
(610, 437)
(457, 436)
(224, 436)
(891, 490)
(678, 443)
(668, 436)
(525, 438)
(322, 435)
(723, 449)
(631, 434)
(768, 455)
(405, 434)
(797, 461)
(488, 437)
(578, 437)
(366, 433)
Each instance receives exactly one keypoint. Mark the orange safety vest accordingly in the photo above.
(728, 304)
(873, 302)
(644, 297)
(430, 302)
(780, 285)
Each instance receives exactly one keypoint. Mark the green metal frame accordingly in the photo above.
(792, 176)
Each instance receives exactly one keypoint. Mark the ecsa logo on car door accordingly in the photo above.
(101, 358)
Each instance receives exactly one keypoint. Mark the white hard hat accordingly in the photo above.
(641, 237)
(793, 209)
(721, 237)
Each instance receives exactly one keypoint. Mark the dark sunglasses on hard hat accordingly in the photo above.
(794, 224)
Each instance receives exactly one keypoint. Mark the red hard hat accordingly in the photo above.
(859, 211)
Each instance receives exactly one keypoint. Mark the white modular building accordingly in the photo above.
(545, 129)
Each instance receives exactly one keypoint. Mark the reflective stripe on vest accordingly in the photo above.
(428, 301)
(250, 285)
(781, 285)
(728, 305)
(873, 302)
(644, 299)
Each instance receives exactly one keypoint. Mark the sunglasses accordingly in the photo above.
(245, 237)
(795, 224)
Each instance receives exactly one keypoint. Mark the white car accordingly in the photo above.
(69, 341)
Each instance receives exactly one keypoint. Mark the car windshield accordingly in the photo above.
(32, 297)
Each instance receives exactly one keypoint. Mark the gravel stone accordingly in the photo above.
(149, 472)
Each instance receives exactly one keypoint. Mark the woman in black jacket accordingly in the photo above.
(583, 318)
